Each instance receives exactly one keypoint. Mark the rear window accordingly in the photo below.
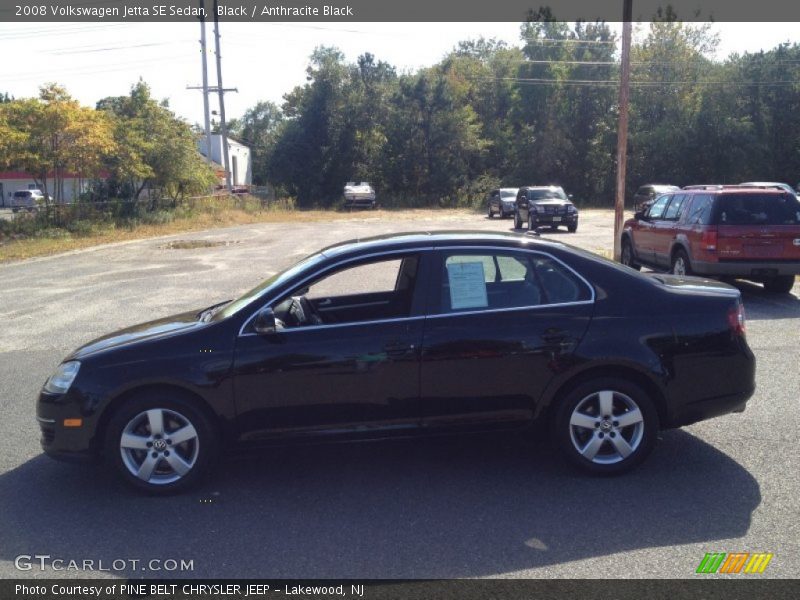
(507, 194)
(757, 209)
(22, 194)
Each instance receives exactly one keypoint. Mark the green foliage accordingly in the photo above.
(545, 113)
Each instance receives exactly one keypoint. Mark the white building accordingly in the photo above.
(239, 162)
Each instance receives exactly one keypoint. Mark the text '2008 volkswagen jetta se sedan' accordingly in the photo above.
(410, 334)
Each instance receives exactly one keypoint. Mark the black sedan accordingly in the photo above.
(412, 334)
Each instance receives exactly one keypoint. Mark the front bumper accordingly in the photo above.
(746, 269)
(548, 219)
(62, 442)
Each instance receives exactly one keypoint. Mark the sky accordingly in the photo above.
(263, 61)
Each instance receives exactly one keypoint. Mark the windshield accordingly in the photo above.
(276, 280)
(508, 194)
(547, 195)
(22, 194)
(758, 209)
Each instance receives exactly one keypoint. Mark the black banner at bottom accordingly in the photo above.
(728, 588)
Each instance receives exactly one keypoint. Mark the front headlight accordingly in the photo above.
(60, 381)
(571, 209)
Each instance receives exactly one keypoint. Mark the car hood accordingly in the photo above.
(551, 202)
(160, 328)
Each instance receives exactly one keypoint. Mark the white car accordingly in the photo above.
(26, 200)
(361, 195)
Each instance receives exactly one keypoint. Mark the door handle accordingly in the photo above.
(398, 348)
(325, 302)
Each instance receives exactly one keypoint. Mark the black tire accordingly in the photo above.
(680, 261)
(517, 221)
(133, 418)
(626, 255)
(639, 437)
(572, 228)
(782, 284)
(491, 214)
(531, 222)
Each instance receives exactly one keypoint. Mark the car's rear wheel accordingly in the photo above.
(781, 284)
(490, 214)
(517, 221)
(680, 264)
(531, 222)
(626, 255)
(161, 443)
(606, 426)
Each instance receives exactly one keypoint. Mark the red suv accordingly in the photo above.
(735, 231)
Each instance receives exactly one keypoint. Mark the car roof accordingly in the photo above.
(735, 189)
(541, 187)
(427, 239)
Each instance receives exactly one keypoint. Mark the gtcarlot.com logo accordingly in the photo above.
(734, 562)
(43, 562)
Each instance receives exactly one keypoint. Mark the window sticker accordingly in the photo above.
(467, 285)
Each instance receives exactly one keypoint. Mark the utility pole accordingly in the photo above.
(204, 52)
(223, 127)
(622, 128)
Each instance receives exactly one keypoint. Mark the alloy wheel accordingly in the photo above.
(159, 446)
(606, 427)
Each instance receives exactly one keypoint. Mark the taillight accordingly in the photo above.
(736, 319)
(709, 240)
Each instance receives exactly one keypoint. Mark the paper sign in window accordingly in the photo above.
(467, 285)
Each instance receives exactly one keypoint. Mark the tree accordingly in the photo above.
(53, 135)
(258, 128)
(156, 149)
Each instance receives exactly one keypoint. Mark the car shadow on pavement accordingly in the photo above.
(439, 508)
(760, 304)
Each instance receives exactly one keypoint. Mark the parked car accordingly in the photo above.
(735, 231)
(783, 186)
(647, 193)
(409, 334)
(28, 200)
(501, 202)
(545, 205)
(359, 196)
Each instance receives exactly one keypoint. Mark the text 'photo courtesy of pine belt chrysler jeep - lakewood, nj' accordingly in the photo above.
(412, 334)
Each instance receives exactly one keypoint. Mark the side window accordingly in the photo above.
(657, 209)
(700, 210)
(673, 211)
(367, 291)
(505, 279)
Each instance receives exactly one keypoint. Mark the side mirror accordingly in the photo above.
(570, 196)
(639, 215)
(265, 321)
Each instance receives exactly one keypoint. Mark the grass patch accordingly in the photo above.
(83, 234)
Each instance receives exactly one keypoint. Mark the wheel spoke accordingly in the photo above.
(606, 402)
(579, 419)
(155, 417)
(184, 434)
(134, 442)
(146, 469)
(632, 417)
(592, 447)
(180, 466)
(622, 446)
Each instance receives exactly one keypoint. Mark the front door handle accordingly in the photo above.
(398, 348)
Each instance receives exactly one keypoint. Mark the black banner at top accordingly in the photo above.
(389, 10)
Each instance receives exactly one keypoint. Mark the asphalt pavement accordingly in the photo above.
(478, 506)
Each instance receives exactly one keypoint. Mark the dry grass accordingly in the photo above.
(13, 250)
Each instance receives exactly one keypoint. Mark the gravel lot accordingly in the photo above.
(455, 507)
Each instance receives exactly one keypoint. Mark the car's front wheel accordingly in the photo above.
(531, 222)
(606, 426)
(160, 443)
(517, 221)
